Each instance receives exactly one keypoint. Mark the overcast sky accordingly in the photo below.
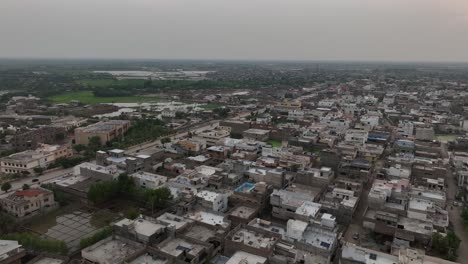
(397, 30)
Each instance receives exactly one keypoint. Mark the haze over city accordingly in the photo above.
(384, 30)
(233, 132)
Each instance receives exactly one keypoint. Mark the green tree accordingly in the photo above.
(35, 243)
(103, 191)
(222, 112)
(95, 143)
(26, 186)
(79, 147)
(38, 170)
(6, 186)
(165, 140)
(100, 235)
(158, 197)
(447, 245)
(7, 224)
(132, 213)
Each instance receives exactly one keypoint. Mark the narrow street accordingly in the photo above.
(48, 176)
(455, 219)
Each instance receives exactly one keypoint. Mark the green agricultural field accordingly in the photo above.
(87, 97)
(111, 82)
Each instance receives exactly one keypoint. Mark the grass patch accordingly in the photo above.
(87, 97)
(275, 143)
(446, 137)
(102, 218)
(111, 82)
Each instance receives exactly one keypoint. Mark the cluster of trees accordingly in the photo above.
(100, 235)
(446, 246)
(35, 243)
(124, 187)
(142, 130)
(68, 162)
(222, 112)
(8, 224)
(464, 215)
(6, 186)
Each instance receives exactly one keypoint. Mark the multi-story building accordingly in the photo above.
(148, 180)
(11, 252)
(33, 138)
(212, 137)
(27, 202)
(353, 254)
(191, 146)
(105, 131)
(214, 201)
(26, 161)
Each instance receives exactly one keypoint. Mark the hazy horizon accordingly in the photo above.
(425, 31)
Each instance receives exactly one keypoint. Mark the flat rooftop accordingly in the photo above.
(173, 220)
(241, 257)
(177, 246)
(243, 212)
(49, 260)
(253, 239)
(111, 250)
(208, 218)
(201, 233)
(268, 226)
(148, 259)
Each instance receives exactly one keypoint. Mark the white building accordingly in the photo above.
(355, 136)
(148, 180)
(213, 200)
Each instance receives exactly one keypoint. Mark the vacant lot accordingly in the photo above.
(87, 97)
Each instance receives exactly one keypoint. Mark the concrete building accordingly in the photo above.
(274, 177)
(319, 238)
(257, 194)
(142, 230)
(191, 146)
(286, 203)
(241, 257)
(212, 137)
(215, 201)
(28, 202)
(104, 130)
(353, 254)
(114, 249)
(11, 252)
(27, 160)
(148, 180)
(32, 139)
(182, 250)
(358, 137)
(256, 134)
(251, 240)
(129, 164)
(425, 133)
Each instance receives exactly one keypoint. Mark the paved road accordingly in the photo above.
(18, 184)
(455, 219)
